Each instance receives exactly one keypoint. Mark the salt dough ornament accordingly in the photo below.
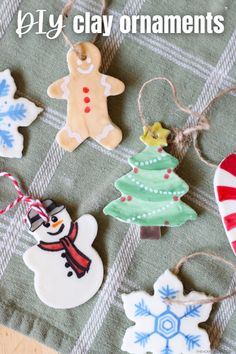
(68, 270)
(162, 328)
(86, 91)
(225, 191)
(151, 192)
(14, 113)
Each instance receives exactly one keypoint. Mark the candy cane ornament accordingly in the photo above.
(225, 191)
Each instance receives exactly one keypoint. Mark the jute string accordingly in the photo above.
(181, 136)
(211, 299)
(66, 13)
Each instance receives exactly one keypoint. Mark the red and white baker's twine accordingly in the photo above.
(33, 203)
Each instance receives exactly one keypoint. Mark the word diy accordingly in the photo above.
(81, 24)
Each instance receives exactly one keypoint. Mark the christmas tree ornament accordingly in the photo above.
(151, 193)
(225, 191)
(14, 113)
(67, 269)
(168, 321)
(86, 91)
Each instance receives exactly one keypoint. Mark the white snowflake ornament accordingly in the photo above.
(14, 113)
(163, 328)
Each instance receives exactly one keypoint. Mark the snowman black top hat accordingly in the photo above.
(35, 219)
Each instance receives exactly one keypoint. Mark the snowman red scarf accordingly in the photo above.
(76, 259)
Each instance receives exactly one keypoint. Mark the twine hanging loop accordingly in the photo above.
(212, 299)
(66, 13)
(32, 202)
(182, 136)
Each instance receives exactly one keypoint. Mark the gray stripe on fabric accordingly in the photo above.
(178, 56)
(222, 317)
(37, 188)
(214, 82)
(7, 11)
(109, 290)
(121, 263)
(210, 89)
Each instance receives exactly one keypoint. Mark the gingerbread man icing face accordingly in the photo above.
(86, 91)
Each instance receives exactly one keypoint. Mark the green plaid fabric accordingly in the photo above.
(200, 66)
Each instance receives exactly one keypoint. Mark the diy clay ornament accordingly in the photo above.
(162, 327)
(14, 113)
(86, 91)
(68, 271)
(151, 192)
(225, 192)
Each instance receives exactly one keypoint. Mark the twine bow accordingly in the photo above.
(32, 202)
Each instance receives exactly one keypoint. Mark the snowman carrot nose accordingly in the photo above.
(32, 203)
(57, 223)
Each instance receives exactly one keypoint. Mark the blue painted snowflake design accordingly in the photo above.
(4, 88)
(14, 113)
(6, 138)
(161, 327)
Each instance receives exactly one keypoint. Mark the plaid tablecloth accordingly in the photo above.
(200, 66)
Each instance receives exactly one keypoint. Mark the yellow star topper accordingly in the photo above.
(154, 135)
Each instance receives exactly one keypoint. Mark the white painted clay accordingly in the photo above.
(162, 328)
(57, 282)
(14, 113)
(225, 191)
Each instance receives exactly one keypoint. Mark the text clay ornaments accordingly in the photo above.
(151, 192)
(225, 191)
(167, 322)
(67, 269)
(86, 91)
(14, 113)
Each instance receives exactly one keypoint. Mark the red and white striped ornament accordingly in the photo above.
(225, 191)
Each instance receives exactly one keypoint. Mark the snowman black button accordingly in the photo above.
(67, 265)
(69, 274)
(63, 255)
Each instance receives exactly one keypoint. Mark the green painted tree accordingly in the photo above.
(151, 193)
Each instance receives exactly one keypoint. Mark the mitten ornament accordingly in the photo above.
(14, 113)
(225, 191)
(67, 269)
(151, 192)
(86, 91)
(162, 327)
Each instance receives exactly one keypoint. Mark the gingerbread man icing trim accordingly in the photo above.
(86, 91)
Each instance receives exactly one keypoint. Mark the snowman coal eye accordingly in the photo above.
(54, 218)
(46, 224)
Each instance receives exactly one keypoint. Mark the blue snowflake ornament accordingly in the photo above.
(14, 113)
(163, 328)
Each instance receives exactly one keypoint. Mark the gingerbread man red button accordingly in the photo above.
(87, 109)
(85, 78)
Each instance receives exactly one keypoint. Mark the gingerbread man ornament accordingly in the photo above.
(86, 91)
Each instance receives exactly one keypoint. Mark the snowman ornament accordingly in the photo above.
(67, 269)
